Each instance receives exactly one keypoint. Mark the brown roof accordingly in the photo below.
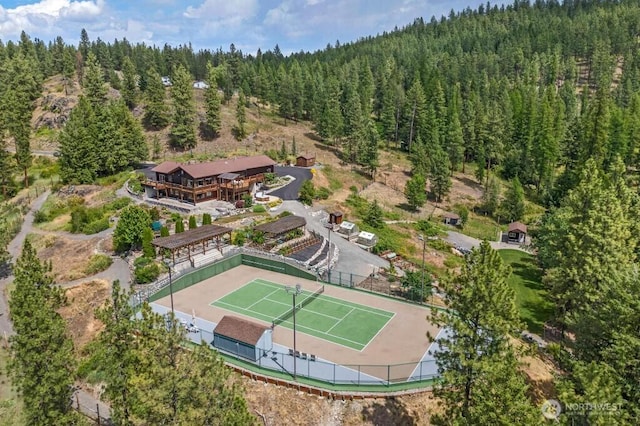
(190, 236)
(166, 167)
(231, 165)
(517, 227)
(306, 156)
(282, 225)
(451, 215)
(240, 329)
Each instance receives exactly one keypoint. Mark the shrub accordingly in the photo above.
(206, 219)
(40, 217)
(154, 213)
(323, 193)
(135, 186)
(307, 193)
(118, 204)
(428, 229)
(439, 244)
(96, 226)
(248, 200)
(97, 263)
(142, 261)
(259, 208)
(148, 249)
(269, 178)
(240, 204)
(284, 214)
(238, 238)
(192, 222)
(146, 274)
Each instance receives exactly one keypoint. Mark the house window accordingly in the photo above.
(200, 182)
(161, 178)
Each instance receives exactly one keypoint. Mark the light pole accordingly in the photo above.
(424, 244)
(329, 257)
(294, 291)
(170, 284)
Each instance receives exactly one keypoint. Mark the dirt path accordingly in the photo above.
(87, 402)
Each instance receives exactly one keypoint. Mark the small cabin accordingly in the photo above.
(305, 160)
(348, 229)
(451, 219)
(517, 232)
(242, 337)
(367, 239)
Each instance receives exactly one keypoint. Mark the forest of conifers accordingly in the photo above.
(545, 92)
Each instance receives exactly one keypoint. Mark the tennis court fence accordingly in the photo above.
(311, 367)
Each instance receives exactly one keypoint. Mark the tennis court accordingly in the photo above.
(345, 323)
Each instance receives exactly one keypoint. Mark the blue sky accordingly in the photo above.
(250, 24)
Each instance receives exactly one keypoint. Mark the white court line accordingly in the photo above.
(261, 299)
(333, 326)
(379, 331)
(426, 354)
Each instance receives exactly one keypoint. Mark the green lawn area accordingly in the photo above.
(531, 297)
(480, 227)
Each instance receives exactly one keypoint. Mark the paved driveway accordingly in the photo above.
(290, 192)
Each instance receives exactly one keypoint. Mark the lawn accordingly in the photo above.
(481, 227)
(531, 296)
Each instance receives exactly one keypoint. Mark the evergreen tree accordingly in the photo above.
(7, 168)
(117, 356)
(129, 90)
(206, 219)
(68, 69)
(192, 222)
(212, 102)
(513, 205)
(241, 117)
(374, 216)
(439, 174)
(480, 381)
(148, 249)
(491, 196)
(94, 87)
(455, 138)
(183, 133)
(368, 150)
(156, 115)
(415, 191)
(78, 152)
(42, 363)
(179, 226)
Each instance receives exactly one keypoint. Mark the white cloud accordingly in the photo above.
(47, 16)
(223, 10)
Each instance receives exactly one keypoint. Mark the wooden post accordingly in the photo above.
(98, 411)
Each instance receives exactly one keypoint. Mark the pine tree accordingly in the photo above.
(480, 381)
(513, 205)
(415, 191)
(241, 117)
(117, 356)
(179, 226)
(183, 133)
(491, 196)
(129, 90)
(374, 216)
(7, 168)
(78, 151)
(148, 249)
(94, 88)
(439, 174)
(156, 114)
(455, 139)
(42, 364)
(212, 102)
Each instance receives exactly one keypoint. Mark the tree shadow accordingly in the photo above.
(5, 270)
(391, 412)
(313, 136)
(407, 207)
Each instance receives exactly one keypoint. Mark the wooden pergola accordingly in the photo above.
(190, 238)
(282, 225)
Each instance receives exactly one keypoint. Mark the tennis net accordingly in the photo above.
(284, 317)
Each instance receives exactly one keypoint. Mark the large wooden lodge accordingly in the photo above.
(227, 180)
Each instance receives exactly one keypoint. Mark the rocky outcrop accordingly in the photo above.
(53, 111)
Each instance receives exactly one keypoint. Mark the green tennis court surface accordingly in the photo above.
(338, 321)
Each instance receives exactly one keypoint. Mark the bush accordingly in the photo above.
(269, 178)
(240, 204)
(97, 263)
(135, 186)
(428, 229)
(146, 274)
(323, 193)
(284, 214)
(439, 244)
(307, 193)
(154, 213)
(192, 222)
(259, 208)
(248, 200)
(142, 261)
(238, 238)
(96, 226)
(206, 219)
(118, 204)
(40, 217)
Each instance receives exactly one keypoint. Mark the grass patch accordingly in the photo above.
(10, 403)
(97, 263)
(335, 182)
(531, 296)
(480, 227)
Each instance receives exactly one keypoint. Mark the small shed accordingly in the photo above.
(335, 218)
(242, 337)
(517, 232)
(348, 229)
(451, 219)
(367, 239)
(305, 160)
